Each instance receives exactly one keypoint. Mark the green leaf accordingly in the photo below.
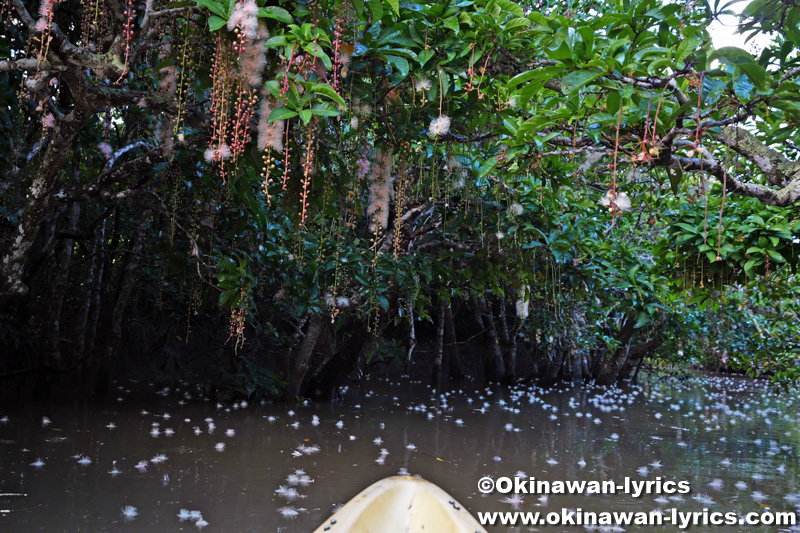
(675, 177)
(400, 63)
(519, 22)
(214, 7)
(305, 115)
(755, 261)
(376, 6)
(215, 23)
(424, 56)
(776, 256)
(325, 109)
(574, 81)
(275, 12)
(278, 40)
(487, 167)
(756, 73)
(326, 90)
(523, 77)
(513, 8)
(315, 50)
(613, 101)
(686, 47)
(281, 113)
(395, 5)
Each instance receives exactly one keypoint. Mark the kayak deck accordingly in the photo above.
(402, 504)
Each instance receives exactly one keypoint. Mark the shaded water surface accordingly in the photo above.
(238, 467)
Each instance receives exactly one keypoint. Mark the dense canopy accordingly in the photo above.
(300, 191)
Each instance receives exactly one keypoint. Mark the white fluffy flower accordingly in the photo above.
(516, 208)
(439, 126)
(612, 200)
(423, 84)
(217, 154)
(244, 16)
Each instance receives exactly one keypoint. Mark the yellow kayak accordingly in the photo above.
(401, 504)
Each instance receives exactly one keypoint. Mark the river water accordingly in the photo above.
(226, 463)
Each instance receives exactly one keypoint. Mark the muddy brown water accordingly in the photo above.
(710, 431)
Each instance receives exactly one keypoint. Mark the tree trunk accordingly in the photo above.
(452, 345)
(51, 326)
(301, 365)
(487, 354)
(576, 364)
(79, 343)
(128, 274)
(614, 362)
(494, 340)
(437, 364)
(412, 338)
(508, 346)
(555, 360)
(326, 382)
(96, 300)
(636, 357)
(40, 192)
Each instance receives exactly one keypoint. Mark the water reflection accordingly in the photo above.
(160, 460)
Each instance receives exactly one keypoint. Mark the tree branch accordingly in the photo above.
(778, 170)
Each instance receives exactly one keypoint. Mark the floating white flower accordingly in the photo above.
(129, 512)
(288, 512)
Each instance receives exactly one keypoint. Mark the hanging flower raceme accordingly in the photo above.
(245, 17)
(381, 191)
(270, 135)
(43, 24)
(253, 57)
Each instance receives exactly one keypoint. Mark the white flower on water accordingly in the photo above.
(129, 512)
(439, 126)
(515, 500)
(288, 512)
